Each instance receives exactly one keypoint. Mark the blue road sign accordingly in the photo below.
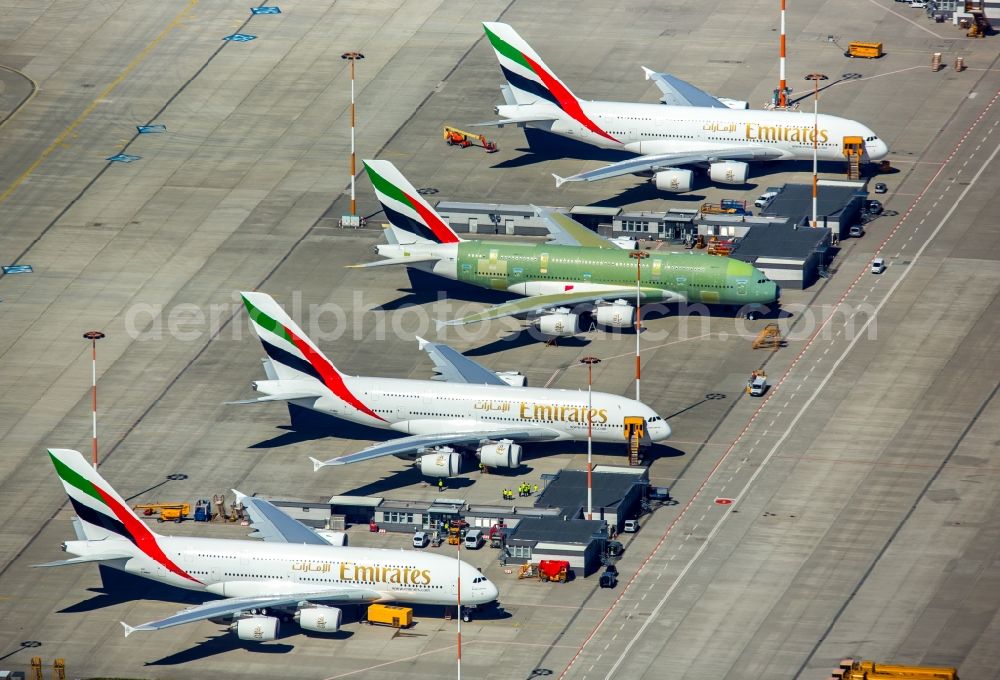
(122, 158)
(240, 37)
(149, 129)
(17, 269)
(265, 10)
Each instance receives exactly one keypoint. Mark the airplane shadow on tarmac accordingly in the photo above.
(427, 288)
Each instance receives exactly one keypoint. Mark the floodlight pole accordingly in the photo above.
(590, 361)
(639, 255)
(815, 77)
(458, 557)
(93, 336)
(352, 57)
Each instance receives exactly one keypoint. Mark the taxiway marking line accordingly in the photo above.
(78, 121)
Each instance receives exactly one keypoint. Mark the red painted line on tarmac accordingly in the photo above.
(774, 390)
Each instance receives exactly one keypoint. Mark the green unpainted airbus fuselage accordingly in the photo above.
(546, 269)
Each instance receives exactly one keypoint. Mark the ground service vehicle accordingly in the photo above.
(631, 526)
(881, 188)
(390, 615)
(474, 539)
(421, 539)
(765, 198)
(874, 207)
(868, 50)
(878, 265)
(553, 570)
(609, 578)
(757, 384)
(856, 231)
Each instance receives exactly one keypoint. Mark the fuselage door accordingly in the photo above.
(741, 287)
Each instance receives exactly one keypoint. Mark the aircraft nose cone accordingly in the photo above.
(661, 432)
(491, 591)
(878, 150)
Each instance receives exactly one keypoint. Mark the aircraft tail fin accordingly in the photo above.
(293, 355)
(405, 208)
(530, 81)
(105, 516)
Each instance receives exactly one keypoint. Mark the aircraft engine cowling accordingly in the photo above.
(442, 463)
(618, 315)
(319, 618)
(560, 324)
(256, 628)
(729, 172)
(675, 180)
(505, 454)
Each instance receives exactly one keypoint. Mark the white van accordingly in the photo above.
(474, 539)
(878, 265)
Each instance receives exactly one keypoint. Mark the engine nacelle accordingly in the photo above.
(319, 618)
(505, 454)
(675, 180)
(618, 315)
(256, 628)
(560, 324)
(443, 463)
(337, 538)
(729, 172)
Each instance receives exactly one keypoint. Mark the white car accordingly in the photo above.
(421, 539)
(919, 4)
(878, 265)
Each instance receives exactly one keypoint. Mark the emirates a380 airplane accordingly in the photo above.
(294, 573)
(472, 409)
(692, 129)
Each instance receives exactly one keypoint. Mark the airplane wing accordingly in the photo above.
(453, 366)
(537, 303)
(565, 230)
(273, 526)
(414, 443)
(235, 605)
(670, 160)
(677, 92)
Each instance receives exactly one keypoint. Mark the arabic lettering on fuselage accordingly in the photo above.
(367, 573)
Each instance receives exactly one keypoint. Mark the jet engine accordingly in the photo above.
(256, 628)
(561, 323)
(505, 454)
(444, 462)
(729, 172)
(319, 618)
(675, 180)
(619, 314)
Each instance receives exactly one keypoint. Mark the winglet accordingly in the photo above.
(649, 73)
(128, 629)
(421, 343)
(559, 180)
(317, 464)
(440, 325)
(239, 496)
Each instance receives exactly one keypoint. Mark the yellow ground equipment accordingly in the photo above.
(769, 338)
(717, 247)
(528, 570)
(869, 670)
(165, 512)
(854, 147)
(390, 615)
(868, 50)
(455, 137)
(635, 428)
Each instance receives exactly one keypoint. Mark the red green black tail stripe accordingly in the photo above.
(432, 227)
(328, 375)
(123, 522)
(558, 94)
